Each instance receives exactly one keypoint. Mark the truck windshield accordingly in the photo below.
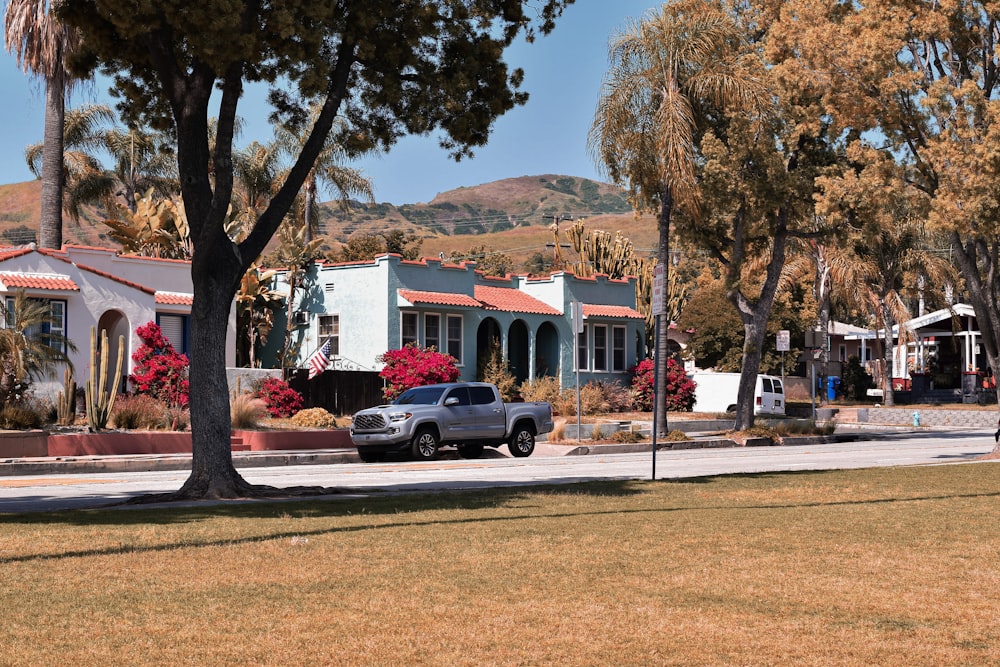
(420, 396)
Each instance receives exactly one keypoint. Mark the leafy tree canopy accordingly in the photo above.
(384, 68)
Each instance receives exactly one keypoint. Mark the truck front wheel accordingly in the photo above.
(521, 442)
(425, 445)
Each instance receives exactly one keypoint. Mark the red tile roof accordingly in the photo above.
(438, 298)
(49, 281)
(174, 298)
(13, 251)
(512, 300)
(596, 310)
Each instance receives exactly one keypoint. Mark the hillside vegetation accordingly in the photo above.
(512, 215)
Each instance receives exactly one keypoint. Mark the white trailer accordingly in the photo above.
(717, 392)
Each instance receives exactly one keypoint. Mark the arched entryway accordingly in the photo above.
(547, 351)
(518, 351)
(116, 324)
(488, 337)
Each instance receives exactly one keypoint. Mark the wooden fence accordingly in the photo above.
(338, 392)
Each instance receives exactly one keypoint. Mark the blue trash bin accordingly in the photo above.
(832, 387)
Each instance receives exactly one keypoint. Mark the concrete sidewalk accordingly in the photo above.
(91, 464)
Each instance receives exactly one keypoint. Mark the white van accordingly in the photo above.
(716, 392)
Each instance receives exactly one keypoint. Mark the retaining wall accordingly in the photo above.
(934, 417)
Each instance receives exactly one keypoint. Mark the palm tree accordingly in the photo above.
(84, 179)
(663, 70)
(41, 44)
(326, 171)
(143, 161)
(889, 261)
(295, 253)
(256, 304)
(29, 349)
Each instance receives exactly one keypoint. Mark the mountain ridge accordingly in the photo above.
(507, 215)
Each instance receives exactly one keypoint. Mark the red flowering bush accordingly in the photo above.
(680, 388)
(281, 400)
(415, 366)
(160, 371)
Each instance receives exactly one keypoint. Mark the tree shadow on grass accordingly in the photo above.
(402, 509)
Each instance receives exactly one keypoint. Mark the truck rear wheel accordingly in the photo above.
(521, 442)
(424, 446)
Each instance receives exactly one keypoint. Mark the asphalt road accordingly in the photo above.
(75, 491)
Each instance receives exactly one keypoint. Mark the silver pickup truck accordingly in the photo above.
(468, 415)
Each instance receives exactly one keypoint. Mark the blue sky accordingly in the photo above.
(563, 74)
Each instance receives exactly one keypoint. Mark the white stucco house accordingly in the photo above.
(97, 287)
(366, 308)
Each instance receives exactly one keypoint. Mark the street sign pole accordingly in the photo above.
(577, 314)
(658, 303)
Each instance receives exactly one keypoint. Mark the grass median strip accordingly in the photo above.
(887, 566)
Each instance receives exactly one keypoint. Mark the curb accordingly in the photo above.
(13, 467)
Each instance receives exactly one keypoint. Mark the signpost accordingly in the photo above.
(576, 311)
(659, 307)
(783, 344)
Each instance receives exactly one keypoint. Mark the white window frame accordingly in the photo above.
(329, 330)
(600, 356)
(58, 328)
(581, 358)
(619, 349)
(434, 339)
(455, 344)
(404, 340)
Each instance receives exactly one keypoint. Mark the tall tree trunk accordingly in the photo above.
(310, 202)
(663, 319)
(888, 356)
(823, 279)
(50, 226)
(754, 331)
(754, 315)
(212, 472)
(977, 260)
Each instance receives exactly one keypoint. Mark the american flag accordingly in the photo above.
(319, 360)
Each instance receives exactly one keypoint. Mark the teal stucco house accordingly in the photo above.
(366, 308)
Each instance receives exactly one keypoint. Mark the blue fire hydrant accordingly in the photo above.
(916, 419)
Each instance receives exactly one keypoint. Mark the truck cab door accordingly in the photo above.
(458, 420)
(490, 413)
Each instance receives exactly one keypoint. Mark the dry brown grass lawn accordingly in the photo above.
(888, 567)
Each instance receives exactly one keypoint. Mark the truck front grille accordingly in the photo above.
(369, 422)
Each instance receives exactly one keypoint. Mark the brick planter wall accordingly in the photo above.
(22, 444)
(130, 442)
(261, 441)
(935, 417)
(19, 444)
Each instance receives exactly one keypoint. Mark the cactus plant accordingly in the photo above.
(99, 399)
(66, 406)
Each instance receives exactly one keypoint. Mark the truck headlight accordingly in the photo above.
(400, 416)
